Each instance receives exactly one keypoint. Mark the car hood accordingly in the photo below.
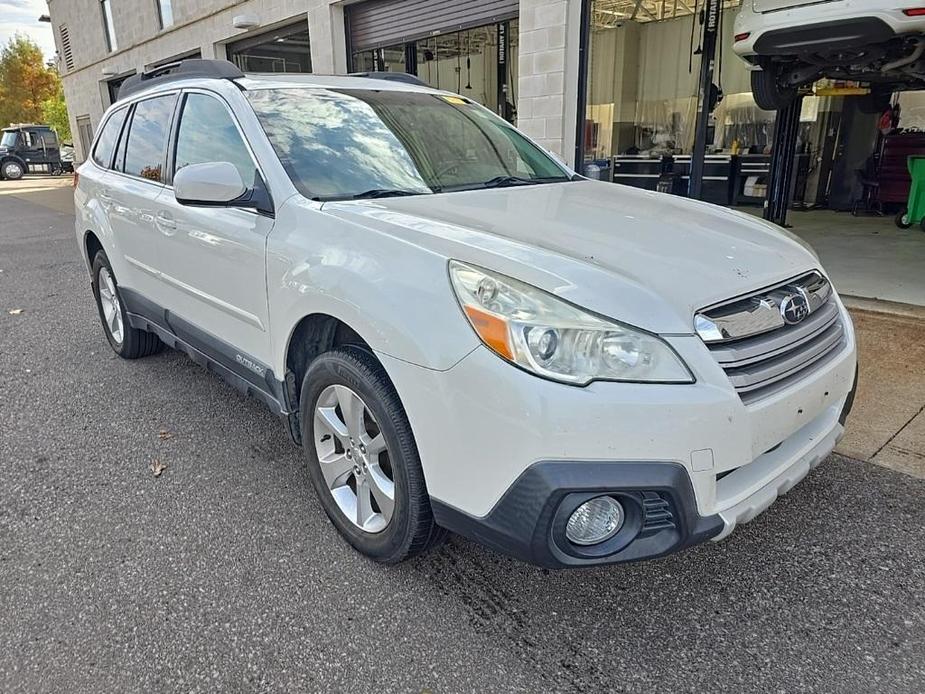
(645, 258)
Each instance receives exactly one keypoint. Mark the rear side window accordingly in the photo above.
(102, 153)
(147, 137)
(207, 133)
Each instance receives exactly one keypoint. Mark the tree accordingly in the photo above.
(54, 113)
(25, 82)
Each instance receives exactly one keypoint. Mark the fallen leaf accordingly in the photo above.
(16, 311)
(157, 467)
(163, 435)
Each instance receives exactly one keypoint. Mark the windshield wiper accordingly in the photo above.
(508, 181)
(372, 193)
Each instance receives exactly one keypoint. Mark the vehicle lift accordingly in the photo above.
(787, 125)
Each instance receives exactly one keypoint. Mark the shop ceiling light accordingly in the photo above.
(595, 521)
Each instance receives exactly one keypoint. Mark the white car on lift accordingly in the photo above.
(792, 43)
(462, 333)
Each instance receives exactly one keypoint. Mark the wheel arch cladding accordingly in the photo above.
(312, 336)
(92, 246)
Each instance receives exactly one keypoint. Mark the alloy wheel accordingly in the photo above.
(354, 458)
(112, 308)
(12, 170)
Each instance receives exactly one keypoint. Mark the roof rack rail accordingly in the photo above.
(182, 69)
(392, 77)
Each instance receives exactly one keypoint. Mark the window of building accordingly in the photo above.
(391, 59)
(480, 63)
(145, 150)
(109, 136)
(114, 85)
(108, 29)
(286, 49)
(85, 133)
(164, 13)
(207, 133)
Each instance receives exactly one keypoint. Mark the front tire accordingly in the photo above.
(12, 170)
(769, 93)
(126, 341)
(362, 457)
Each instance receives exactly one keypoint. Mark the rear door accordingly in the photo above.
(213, 259)
(137, 180)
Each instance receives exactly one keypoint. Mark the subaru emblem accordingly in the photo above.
(794, 308)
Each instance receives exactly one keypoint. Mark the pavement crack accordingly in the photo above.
(898, 432)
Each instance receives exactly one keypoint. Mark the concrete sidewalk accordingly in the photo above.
(887, 426)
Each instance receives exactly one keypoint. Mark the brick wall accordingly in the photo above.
(547, 94)
(205, 25)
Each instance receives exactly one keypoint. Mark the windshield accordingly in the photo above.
(8, 139)
(348, 144)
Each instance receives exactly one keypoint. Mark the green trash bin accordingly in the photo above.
(914, 213)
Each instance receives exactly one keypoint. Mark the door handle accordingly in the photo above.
(165, 223)
(105, 196)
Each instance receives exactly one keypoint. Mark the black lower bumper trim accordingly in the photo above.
(846, 34)
(529, 520)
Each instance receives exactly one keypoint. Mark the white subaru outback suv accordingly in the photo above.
(791, 43)
(461, 333)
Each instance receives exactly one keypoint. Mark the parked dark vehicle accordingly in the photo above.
(32, 149)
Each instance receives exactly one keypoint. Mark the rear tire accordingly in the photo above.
(126, 341)
(769, 94)
(390, 530)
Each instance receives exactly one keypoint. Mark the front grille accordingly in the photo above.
(764, 348)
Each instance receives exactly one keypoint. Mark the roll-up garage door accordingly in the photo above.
(379, 23)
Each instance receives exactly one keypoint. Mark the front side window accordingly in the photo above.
(8, 139)
(145, 149)
(165, 13)
(108, 28)
(207, 133)
(106, 144)
(341, 144)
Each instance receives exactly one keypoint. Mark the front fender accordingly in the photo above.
(395, 295)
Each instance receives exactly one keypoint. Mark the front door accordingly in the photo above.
(213, 259)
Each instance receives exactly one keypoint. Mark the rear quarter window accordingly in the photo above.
(106, 143)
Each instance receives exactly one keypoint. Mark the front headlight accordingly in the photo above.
(552, 338)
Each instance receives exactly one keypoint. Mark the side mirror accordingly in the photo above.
(214, 183)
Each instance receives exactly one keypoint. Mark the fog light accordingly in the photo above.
(595, 521)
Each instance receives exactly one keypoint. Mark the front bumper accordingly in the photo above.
(504, 449)
(661, 510)
(529, 521)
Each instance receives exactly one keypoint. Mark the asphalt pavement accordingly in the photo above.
(224, 574)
